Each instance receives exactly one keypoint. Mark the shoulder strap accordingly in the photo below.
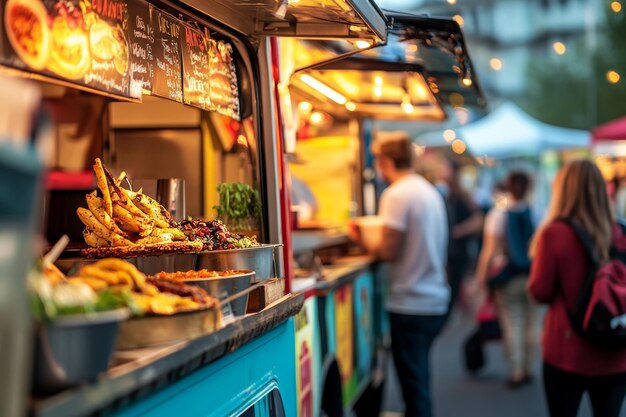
(584, 238)
(577, 316)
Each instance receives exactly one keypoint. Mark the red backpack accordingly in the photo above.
(600, 312)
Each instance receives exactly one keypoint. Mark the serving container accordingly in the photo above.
(149, 265)
(260, 259)
(231, 285)
(153, 330)
(73, 349)
(172, 262)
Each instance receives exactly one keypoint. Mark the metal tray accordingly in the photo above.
(231, 285)
(141, 332)
(260, 259)
(149, 265)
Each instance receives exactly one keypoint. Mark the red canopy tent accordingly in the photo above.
(613, 130)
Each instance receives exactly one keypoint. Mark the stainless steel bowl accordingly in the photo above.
(260, 259)
(73, 349)
(228, 285)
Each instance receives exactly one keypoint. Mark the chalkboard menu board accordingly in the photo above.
(84, 41)
(122, 47)
(195, 51)
(167, 81)
(223, 90)
(141, 38)
(108, 42)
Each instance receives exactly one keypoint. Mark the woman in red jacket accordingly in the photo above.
(571, 365)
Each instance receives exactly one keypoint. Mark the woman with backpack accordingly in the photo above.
(573, 364)
(508, 230)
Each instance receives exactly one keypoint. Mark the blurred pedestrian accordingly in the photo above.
(572, 365)
(504, 266)
(465, 220)
(414, 241)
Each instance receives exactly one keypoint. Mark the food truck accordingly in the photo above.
(178, 108)
(423, 73)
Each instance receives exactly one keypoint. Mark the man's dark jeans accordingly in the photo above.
(411, 339)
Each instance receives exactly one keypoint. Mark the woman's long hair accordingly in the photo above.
(579, 193)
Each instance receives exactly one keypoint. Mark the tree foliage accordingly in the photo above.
(573, 90)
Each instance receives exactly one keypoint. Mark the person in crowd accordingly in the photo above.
(414, 242)
(465, 220)
(571, 365)
(504, 265)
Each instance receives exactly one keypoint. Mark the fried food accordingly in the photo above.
(95, 283)
(151, 295)
(122, 198)
(115, 265)
(129, 223)
(123, 217)
(151, 240)
(103, 186)
(94, 240)
(150, 207)
(97, 228)
(171, 233)
(96, 206)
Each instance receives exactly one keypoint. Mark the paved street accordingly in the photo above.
(458, 394)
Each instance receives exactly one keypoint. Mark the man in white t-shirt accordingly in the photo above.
(414, 242)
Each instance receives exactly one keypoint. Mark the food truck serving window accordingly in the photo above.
(422, 70)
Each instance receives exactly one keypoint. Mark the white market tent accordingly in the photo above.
(508, 132)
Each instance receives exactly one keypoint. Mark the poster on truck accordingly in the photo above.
(344, 327)
(364, 323)
(308, 361)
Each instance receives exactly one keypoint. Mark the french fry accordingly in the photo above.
(150, 207)
(94, 240)
(151, 240)
(123, 199)
(174, 233)
(120, 177)
(96, 206)
(130, 223)
(97, 228)
(103, 186)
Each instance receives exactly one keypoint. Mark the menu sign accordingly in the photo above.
(223, 90)
(195, 51)
(141, 38)
(108, 68)
(122, 47)
(84, 41)
(167, 81)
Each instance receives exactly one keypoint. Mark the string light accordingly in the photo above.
(458, 146)
(559, 48)
(350, 106)
(616, 6)
(449, 135)
(613, 77)
(495, 64)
